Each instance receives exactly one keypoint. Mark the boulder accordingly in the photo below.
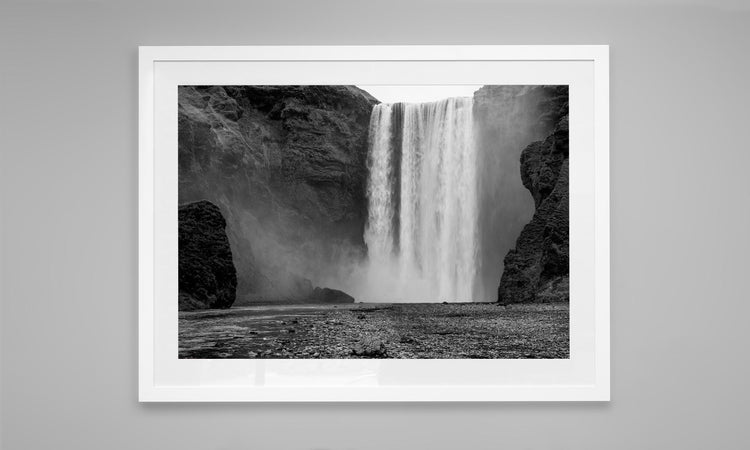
(370, 348)
(326, 295)
(207, 276)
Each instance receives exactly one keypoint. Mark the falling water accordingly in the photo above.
(422, 228)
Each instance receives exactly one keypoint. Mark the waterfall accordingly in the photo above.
(422, 227)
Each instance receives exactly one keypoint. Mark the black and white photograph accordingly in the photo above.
(374, 221)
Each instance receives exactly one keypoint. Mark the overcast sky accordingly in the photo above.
(419, 94)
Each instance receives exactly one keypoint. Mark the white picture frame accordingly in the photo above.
(584, 377)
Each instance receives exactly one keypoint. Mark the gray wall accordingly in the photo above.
(68, 124)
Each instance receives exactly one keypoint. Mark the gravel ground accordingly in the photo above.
(405, 331)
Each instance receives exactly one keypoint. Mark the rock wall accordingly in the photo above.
(287, 167)
(537, 270)
(508, 119)
(207, 277)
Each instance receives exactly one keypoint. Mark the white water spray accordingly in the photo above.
(422, 228)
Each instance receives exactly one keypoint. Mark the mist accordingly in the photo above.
(504, 126)
(445, 203)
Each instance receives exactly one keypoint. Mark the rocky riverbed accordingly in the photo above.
(403, 331)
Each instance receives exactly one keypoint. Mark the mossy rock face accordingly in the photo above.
(538, 269)
(287, 165)
(207, 277)
(512, 124)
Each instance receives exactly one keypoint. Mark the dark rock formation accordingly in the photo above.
(287, 165)
(537, 270)
(207, 277)
(326, 295)
(508, 119)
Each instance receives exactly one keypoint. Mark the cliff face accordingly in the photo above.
(508, 119)
(287, 164)
(537, 270)
(207, 277)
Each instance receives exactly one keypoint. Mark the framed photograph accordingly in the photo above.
(406, 223)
